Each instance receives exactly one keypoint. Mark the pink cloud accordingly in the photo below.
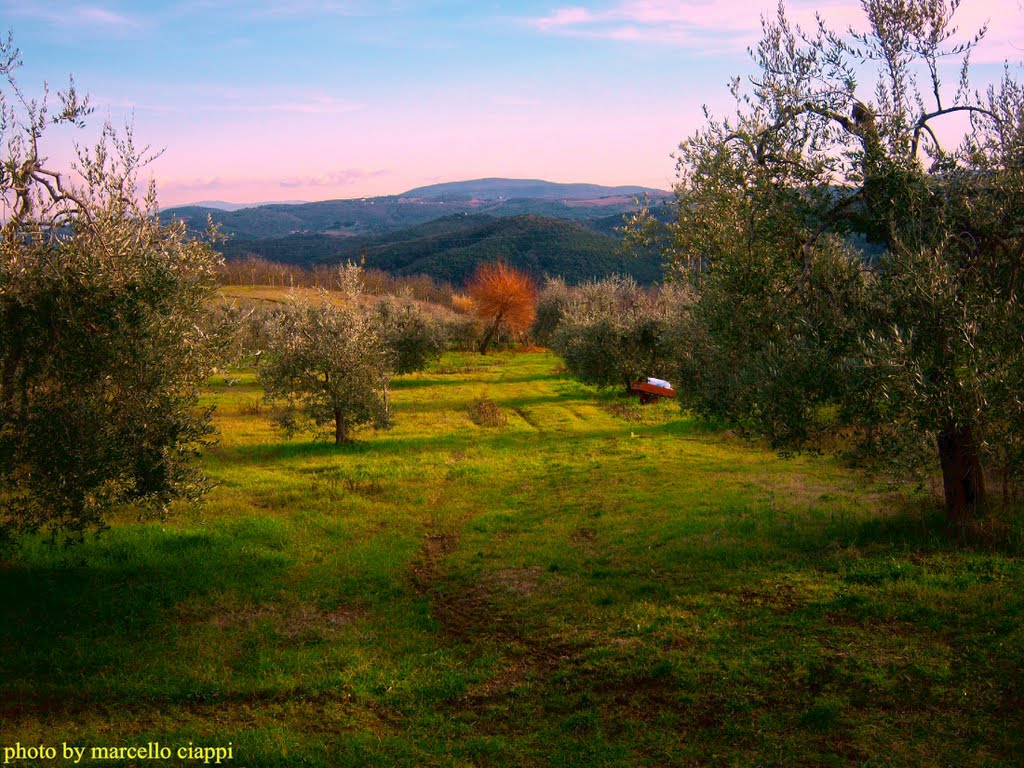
(176, 190)
(564, 17)
(336, 179)
(648, 21)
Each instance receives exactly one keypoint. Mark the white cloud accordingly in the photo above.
(104, 17)
(732, 26)
(87, 16)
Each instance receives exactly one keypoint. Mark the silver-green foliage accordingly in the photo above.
(552, 301)
(101, 352)
(854, 271)
(327, 365)
(613, 331)
(413, 336)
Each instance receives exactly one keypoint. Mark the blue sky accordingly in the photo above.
(314, 99)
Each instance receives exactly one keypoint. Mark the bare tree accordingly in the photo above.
(503, 297)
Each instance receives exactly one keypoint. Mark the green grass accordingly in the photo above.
(590, 584)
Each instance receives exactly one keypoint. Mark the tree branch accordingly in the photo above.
(922, 122)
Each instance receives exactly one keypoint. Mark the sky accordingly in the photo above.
(281, 100)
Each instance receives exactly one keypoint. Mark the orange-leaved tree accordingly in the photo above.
(504, 297)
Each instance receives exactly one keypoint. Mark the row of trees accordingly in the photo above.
(257, 271)
(851, 270)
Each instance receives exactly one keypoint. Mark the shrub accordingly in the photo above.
(412, 335)
(552, 302)
(487, 413)
(613, 332)
(463, 304)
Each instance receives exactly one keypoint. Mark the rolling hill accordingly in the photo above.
(380, 215)
(450, 248)
(496, 189)
(445, 230)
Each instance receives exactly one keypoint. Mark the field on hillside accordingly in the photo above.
(588, 584)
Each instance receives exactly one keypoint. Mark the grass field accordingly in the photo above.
(590, 584)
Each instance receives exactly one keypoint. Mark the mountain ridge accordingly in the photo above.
(225, 205)
(379, 215)
(445, 230)
(494, 188)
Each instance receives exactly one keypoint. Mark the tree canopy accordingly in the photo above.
(503, 297)
(101, 343)
(328, 365)
(855, 269)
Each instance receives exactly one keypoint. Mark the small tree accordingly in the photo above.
(329, 365)
(101, 347)
(612, 332)
(552, 302)
(413, 337)
(503, 297)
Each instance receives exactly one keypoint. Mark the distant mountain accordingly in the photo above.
(450, 248)
(340, 218)
(503, 189)
(379, 215)
(445, 230)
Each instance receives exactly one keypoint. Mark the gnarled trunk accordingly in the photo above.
(340, 428)
(963, 480)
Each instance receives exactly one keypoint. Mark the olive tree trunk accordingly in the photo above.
(340, 427)
(963, 480)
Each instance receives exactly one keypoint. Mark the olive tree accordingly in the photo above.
(328, 365)
(854, 266)
(612, 331)
(413, 337)
(101, 352)
(552, 300)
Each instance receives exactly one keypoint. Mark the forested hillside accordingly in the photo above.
(450, 248)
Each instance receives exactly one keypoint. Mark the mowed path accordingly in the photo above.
(593, 583)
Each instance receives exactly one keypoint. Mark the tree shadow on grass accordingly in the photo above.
(386, 445)
(400, 383)
(72, 622)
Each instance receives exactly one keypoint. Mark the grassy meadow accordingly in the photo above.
(590, 583)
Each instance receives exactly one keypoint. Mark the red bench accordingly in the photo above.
(649, 392)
